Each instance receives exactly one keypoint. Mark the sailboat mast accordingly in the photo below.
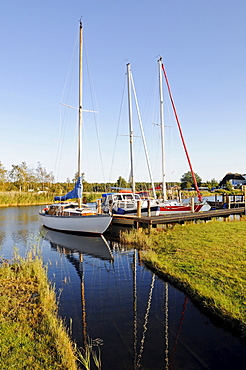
(130, 124)
(162, 132)
(80, 104)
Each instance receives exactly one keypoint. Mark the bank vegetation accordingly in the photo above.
(31, 334)
(205, 260)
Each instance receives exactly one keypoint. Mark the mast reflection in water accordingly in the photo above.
(138, 320)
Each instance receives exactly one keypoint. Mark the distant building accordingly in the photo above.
(236, 180)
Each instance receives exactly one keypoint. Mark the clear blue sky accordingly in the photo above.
(203, 48)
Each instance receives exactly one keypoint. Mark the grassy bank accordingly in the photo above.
(31, 334)
(207, 261)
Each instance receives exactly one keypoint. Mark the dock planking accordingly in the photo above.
(181, 218)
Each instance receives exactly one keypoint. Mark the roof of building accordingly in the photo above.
(232, 176)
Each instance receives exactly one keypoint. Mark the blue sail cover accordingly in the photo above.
(75, 193)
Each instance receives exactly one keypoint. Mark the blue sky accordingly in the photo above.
(203, 48)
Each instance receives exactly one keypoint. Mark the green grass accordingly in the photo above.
(207, 261)
(31, 334)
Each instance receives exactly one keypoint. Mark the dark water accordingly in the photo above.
(137, 320)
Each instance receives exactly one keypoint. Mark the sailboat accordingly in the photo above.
(75, 217)
(126, 200)
(174, 206)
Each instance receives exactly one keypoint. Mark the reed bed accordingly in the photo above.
(206, 260)
(31, 334)
(15, 198)
(24, 198)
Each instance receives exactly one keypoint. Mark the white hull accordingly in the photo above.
(94, 224)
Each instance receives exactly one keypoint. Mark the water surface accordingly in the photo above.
(138, 320)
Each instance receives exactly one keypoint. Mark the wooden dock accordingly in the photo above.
(181, 218)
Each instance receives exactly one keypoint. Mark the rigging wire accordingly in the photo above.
(63, 118)
(94, 104)
(143, 137)
(117, 130)
(146, 110)
(181, 135)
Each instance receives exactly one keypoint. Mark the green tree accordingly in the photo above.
(20, 175)
(187, 180)
(212, 184)
(122, 183)
(229, 186)
(43, 177)
(76, 175)
(3, 176)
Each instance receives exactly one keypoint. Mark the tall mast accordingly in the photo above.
(130, 124)
(80, 104)
(162, 132)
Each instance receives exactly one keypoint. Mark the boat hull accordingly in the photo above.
(154, 211)
(169, 209)
(94, 224)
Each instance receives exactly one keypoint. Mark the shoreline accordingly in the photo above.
(197, 260)
(24, 204)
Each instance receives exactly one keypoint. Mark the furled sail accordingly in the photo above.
(75, 193)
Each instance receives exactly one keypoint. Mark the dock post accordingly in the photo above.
(139, 203)
(179, 196)
(149, 213)
(99, 208)
(227, 199)
(244, 195)
(192, 206)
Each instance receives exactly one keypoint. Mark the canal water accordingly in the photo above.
(106, 294)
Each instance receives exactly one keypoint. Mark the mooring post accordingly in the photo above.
(149, 213)
(192, 206)
(139, 203)
(99, 208)
(244, 196)
(229, 202)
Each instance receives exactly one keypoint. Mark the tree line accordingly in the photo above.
(23, 178)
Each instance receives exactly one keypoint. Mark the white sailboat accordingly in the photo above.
(75, 217)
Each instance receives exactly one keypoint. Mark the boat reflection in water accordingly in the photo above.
(71, 245)
(96, 246)
(76, 248)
